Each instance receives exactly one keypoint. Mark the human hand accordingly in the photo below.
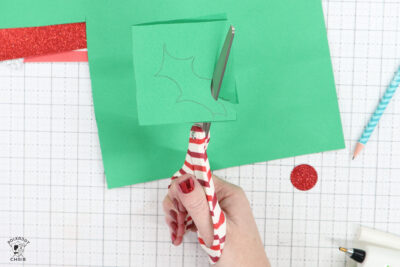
(243, 246)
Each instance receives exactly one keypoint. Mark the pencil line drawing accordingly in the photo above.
(180, 98)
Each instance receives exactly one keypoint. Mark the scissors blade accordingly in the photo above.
(219, 70)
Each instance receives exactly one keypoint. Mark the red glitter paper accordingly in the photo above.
(35, 41)
(304, 177)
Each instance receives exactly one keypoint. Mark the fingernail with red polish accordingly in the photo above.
(187, 186)
(173, 215)
(173, 237)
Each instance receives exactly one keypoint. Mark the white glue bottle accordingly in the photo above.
(376, 249)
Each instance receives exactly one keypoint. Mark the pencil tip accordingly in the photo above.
(358, 149)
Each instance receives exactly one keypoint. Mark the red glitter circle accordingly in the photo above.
(304, 177)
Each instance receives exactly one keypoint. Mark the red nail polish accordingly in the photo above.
(174, 227)
(173, 215)
(173, 237)
(187, 186)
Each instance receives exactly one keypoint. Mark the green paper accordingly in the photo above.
(287, 107)
(174, 65)
(26, 13)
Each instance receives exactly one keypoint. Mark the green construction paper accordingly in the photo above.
(288, 104)
(25, 13)
(174, 65)
(205, 18)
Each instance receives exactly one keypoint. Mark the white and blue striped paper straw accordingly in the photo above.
(381, 108)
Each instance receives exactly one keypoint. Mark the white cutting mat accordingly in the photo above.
(52, 187)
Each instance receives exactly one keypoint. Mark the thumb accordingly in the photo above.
(192, 196)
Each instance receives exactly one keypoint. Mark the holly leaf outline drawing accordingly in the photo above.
(182, 97)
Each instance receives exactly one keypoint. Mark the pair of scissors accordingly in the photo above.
(197, 164)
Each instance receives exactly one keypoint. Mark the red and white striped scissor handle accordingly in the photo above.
(196, 163)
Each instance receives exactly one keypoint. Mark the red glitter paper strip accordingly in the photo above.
(36, 41)
(304, 177)
(71, 56)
